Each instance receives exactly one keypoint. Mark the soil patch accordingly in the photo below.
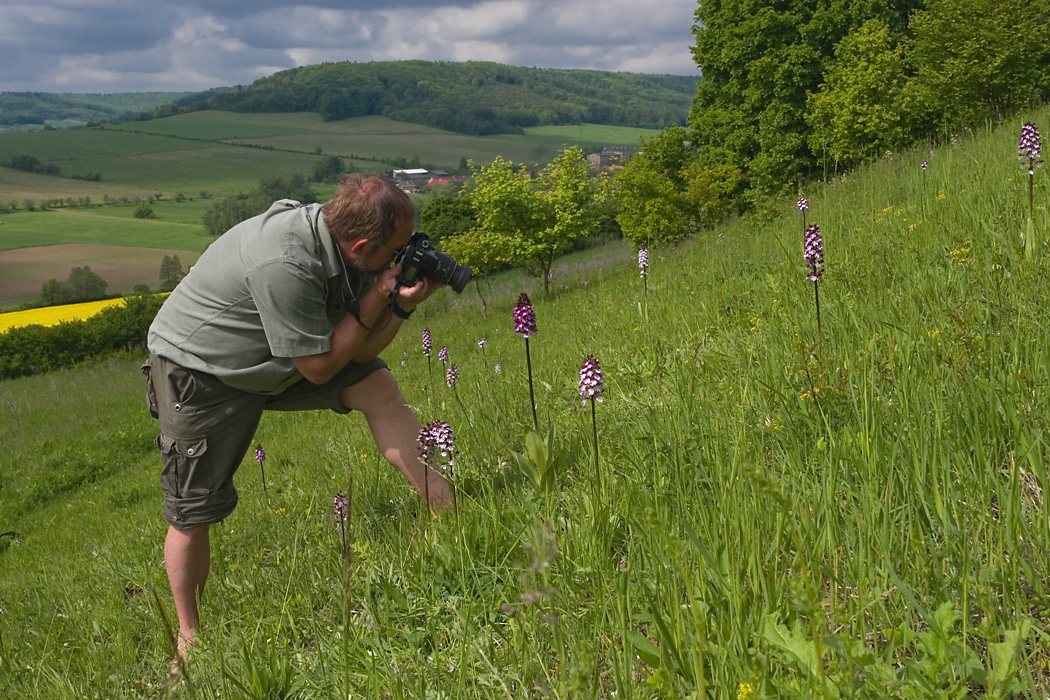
(24, 271)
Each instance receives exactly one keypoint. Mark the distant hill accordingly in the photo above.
(35, 109)
(476, 98)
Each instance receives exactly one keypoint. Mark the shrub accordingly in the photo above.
(36, 349)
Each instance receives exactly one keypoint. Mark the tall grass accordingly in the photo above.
(782, 515)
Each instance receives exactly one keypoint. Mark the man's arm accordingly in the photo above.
(352, 339)
(388, 324)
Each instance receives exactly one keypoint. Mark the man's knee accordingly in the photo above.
(378, 391)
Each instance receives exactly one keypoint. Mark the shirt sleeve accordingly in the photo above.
(291, 303)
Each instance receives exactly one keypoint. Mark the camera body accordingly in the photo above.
(420, 259)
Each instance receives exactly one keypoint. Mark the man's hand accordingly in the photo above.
(408, 298)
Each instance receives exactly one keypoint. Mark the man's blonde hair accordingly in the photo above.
(366, 206)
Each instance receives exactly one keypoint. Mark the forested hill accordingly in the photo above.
(470, 98)
(77, 109)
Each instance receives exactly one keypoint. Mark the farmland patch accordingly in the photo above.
(24, 270)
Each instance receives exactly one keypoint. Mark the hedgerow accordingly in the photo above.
(35, 349)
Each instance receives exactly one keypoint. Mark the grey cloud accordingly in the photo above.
(132, 45)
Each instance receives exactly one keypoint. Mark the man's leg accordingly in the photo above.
(187, 557)
(395, 429)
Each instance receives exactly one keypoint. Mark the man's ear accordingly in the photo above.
(359, 248)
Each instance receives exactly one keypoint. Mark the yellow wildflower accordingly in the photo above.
(745, 691)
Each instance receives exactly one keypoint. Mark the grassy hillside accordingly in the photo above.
(772, 511)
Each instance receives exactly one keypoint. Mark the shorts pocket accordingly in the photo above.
(184, 475)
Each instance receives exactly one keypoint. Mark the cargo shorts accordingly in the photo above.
(206, 427)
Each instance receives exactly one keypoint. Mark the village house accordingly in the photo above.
(609, 155)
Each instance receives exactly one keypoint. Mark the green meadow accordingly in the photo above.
(200, 156)
(760, 507)
(226, 153)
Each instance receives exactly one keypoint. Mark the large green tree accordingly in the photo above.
(861, 109)
(979, 59)
(759, 60)
(528, 222)
(666, 192)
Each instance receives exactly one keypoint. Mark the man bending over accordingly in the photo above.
(286, 311)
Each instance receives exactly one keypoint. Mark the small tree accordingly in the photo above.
(170, 272)
(529, 223)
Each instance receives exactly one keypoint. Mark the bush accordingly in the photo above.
(36, 349)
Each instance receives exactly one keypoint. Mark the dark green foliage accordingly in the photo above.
(328, 169)
(790, 86)
(979, 59)
(145, 211)
(31, 164)
(446, 216)
(471, 98)
(35, 349)
(36, 107)
(170, 272)
(860, 110)
(81, 285)
(229, 212)
(760, 61)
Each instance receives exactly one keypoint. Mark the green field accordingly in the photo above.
(38, 246)
(226, 153)
(761, 507)
(220, 154)
(176, 226)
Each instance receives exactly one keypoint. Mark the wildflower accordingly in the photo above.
(524, 317)
(1029, 147)
(481, 343)
(260, 457)
(443, 354)
(814, 253)
(1028, 150)
(341, 507)
(452, 376)
(498, 368)
(591, 383)
(428, 344)
(923, 165)
(525, 325)
(744, 691)
(436, 439)
(643, 261)
(592, 387)
(803, 205)
(404, 360)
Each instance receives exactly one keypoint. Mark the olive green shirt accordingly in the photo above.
(267, 290)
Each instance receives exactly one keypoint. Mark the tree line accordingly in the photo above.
(477, 98)
(798, 88)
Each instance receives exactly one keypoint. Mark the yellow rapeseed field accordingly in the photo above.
(53, 315)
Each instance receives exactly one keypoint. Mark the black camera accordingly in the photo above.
(420, 259)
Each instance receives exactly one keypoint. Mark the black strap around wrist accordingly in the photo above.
(399, 312)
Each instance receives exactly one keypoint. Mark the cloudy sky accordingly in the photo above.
(104, 46)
